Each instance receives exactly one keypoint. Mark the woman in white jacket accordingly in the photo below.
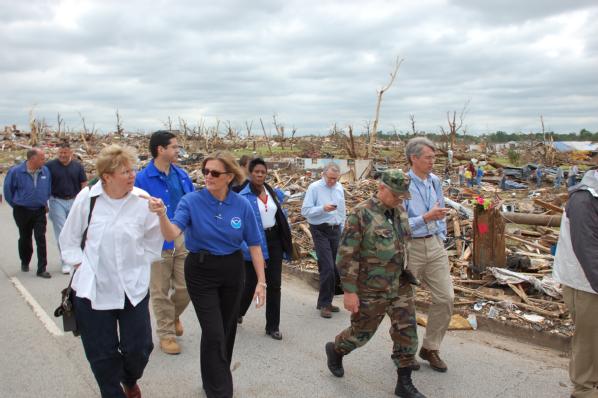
(112, 257)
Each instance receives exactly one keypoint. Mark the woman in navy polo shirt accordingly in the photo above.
(276, 241)
(216, 223)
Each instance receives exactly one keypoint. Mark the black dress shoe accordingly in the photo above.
(44, 274)
(275, 334)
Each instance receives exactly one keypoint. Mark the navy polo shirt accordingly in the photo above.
(66, 180)
(219, 227)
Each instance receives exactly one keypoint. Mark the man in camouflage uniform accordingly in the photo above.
(371, 260)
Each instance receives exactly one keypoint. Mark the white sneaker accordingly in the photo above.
(66, 269)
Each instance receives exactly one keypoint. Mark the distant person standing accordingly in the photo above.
(449, 155)
(427, 258)
(575, 267)
(539, 175)
(244, 163)
(168, 291)
(558, 178)
(27, 189)
(324, 209)
(461, 175)
(68, 178)
(573, 171)
(479, 175)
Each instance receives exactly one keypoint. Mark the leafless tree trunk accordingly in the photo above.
(59, 122)
(412, 119)
(119, 124)
(266, 135)
(248, 126)
(279, 131)
(381, 92)
(293, 132)
(454, 125)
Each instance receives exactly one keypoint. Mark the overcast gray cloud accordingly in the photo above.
(313, 63)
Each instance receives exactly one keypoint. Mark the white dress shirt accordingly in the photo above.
(319, 194)
(267, 211)
(123, 240)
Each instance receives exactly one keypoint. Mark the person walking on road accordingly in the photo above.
(217, 223)
(27, 188)
(371, 261)
(575, 267)
(68, 178)
(324, 209)
(168, 291)
(120, 239)
(276, 242)
(428, 259)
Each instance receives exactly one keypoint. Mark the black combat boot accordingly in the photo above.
(405, 387)
(335, 360)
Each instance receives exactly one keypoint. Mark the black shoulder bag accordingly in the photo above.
(66, 309)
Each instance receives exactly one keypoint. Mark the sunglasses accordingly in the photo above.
(213, 173)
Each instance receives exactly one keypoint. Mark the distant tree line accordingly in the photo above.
(498, 137)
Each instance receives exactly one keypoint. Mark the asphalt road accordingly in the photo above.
(38, 361)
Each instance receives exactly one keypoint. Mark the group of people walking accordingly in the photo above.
(130, 237)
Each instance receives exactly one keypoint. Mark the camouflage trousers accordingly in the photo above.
(372, 308)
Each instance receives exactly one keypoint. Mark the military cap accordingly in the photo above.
(397, 181)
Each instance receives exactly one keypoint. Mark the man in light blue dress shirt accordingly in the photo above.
(324, 209)
(427, 258)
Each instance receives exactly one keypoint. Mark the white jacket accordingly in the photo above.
(123, 240)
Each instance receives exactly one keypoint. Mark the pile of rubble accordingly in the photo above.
(517, 289)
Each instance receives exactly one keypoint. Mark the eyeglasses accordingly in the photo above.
(213, 173)
(128, 173)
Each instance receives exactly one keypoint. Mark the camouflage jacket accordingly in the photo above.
(371, 251)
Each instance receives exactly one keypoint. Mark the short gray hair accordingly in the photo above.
(416, 145)
(331, 166)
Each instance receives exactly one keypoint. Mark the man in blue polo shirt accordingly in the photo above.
(27, 190)
(162, 179)
(68, 178)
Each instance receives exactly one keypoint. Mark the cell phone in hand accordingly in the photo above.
(335, 206)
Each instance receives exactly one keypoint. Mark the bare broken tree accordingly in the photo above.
(266, 135)
(59, 124)
(454, 125)
(248, 127)
(412, 119)
(119, 124)
(381, 92)
(279, 131)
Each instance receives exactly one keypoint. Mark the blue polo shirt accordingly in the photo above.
(219, 227)
(21, 190)
(170, 188)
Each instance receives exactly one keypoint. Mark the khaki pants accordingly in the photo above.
(428, 261)
(583, 368)
(166, 274)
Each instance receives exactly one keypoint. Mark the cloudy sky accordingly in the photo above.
(313, 63)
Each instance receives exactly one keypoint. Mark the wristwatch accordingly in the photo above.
(263, 284)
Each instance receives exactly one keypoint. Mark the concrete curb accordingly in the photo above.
(520, 333)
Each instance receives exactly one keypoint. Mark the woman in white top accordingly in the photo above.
(112, 272)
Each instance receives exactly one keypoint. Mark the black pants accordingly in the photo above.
(215, 285)
(31, 221)
(117, 343)
(273, 280)
(326, 240)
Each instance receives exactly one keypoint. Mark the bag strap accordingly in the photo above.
(91, 206)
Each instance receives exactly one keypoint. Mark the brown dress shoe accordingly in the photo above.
(133, 392)
(170, 346)
(334, 308)
(325, 312)
(178, 327)
(433, 357)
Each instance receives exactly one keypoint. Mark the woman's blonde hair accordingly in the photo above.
(114, 156)
(229, 162)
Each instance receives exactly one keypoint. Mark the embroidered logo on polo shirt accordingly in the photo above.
(235, 222)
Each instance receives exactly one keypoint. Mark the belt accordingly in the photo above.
(66, 197)
(330, 226)
(422, 237)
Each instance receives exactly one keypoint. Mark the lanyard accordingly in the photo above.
(264, 201)
(425, 199)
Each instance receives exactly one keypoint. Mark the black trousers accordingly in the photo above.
(117, 343)
(31, 221)
(326, 240)
(215, 284)
(273, 280)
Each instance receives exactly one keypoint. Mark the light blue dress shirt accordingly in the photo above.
(319, 194)
(424, 195)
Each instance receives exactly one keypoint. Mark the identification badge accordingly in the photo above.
(432, 227)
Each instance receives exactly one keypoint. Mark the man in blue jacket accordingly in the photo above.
(162, 179)
(27, 189)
